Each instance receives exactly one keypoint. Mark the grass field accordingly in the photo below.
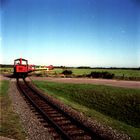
(117, 107)
(122, 74)
(10, 125)
(6, 70)
(119, 73)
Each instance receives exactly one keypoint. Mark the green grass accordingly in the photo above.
(6, 70)
(10, 125)
(117, 107)
(117, 72)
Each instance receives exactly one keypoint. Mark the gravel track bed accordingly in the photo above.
(5, 138)
(33, 127)
(105, 131)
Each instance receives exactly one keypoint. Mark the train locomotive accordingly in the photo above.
(20, 68)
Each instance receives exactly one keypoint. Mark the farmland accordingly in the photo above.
(122, 74)
(6, 70)
(117, 72)
(126, 74)
(116, 107)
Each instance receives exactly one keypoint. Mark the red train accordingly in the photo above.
(22, 68)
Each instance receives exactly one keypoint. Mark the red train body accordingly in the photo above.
(20, 67)
(31, 68)
(50, 67)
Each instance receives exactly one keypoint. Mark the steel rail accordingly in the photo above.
(63, 134)
(45, 116)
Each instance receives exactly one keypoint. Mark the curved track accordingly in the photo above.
(64, 126)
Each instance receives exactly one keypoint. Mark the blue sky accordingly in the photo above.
(104, 33)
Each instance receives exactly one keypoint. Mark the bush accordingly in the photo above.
(67, 72)
(105, 75)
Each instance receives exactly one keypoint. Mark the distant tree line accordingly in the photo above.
(84, 67)
(87, 67)
(6, 66)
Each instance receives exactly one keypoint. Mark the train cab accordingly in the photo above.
(20, 67)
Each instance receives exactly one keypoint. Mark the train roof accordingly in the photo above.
(21, 58)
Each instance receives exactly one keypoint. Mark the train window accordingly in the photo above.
(17, 62)
(24, 62)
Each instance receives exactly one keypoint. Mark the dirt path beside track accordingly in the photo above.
(3, 77)
(116, 83)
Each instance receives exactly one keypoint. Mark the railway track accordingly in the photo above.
(60, 124)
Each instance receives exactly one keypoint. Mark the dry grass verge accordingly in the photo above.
(10, 125)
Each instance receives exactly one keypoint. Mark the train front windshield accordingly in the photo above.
(20, 62)
(24, 62)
